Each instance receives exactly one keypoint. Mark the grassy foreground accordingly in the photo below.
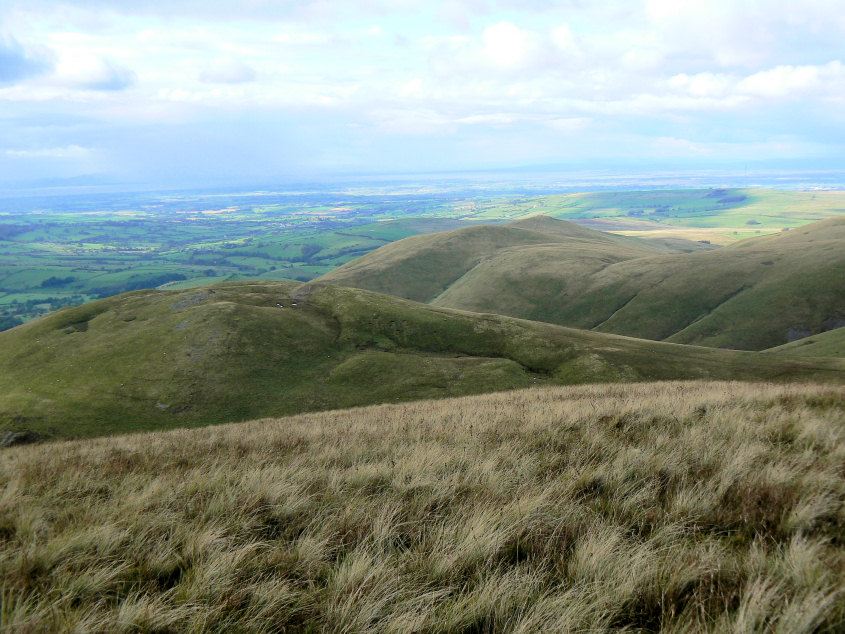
(678, 506)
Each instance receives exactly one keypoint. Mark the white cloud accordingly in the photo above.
(780, 82)
(412, 88)
(67, 152)
(92, 72)
(412, 122)
(570, 124)
(298, 38)
(643, 59)
(565, 40)
(675, 146)
(19, 62)
(795, 81)
(414, 68)
(227, 70)
(510, 47)
(709, 85)
(779, 146)
(724, 32)
(497, 119)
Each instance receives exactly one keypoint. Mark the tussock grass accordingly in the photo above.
(678, 506)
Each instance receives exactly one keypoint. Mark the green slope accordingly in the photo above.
(825, 344)
(423, 267)
(752, 295)
(158, 359)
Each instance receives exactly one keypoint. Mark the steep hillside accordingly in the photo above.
(753, 295)
(673, 507)
(157, 359)
(423, 267)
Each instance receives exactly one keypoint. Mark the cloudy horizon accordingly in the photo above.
(191, 92)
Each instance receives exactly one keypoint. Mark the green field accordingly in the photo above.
(68, 254)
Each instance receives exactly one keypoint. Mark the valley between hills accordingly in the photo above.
(241, 350)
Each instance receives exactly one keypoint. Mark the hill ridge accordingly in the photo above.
(240, 350)
(444, 257)
(751, 295)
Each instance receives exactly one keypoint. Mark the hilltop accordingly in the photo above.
(755, 294)
(242, 350)
(424, 267)
(675, 507)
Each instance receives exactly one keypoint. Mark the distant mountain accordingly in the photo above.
(755, 294)
(243, 350)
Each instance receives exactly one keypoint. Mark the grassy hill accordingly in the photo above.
(159, 359)
(674, 507)
(755, 294)
(423, 267)
(826, 344)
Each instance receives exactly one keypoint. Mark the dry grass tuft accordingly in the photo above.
(681, 507)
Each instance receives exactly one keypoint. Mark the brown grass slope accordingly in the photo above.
(674, 507)
(160, 359)
(753, 295)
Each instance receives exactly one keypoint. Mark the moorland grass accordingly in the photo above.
(678, 507)
(748, 296)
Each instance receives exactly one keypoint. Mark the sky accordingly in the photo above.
(215, 91)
